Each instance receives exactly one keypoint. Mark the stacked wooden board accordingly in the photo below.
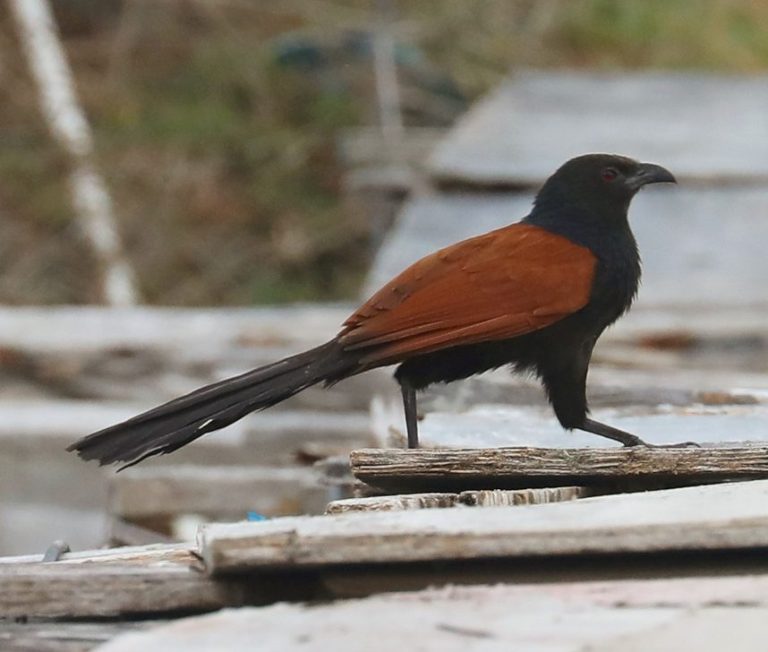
(608, 540)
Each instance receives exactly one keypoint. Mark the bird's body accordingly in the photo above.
(535, 295)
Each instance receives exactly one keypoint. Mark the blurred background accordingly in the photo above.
(168, 157)
(219, 126)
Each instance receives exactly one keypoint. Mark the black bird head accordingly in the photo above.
(602, 184)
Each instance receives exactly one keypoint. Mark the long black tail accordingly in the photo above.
(172, 425)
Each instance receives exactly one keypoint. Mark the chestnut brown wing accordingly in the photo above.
(495, 286)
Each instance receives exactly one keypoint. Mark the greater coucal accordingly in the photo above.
(535, 295)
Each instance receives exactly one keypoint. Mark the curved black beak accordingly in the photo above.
(649, 173)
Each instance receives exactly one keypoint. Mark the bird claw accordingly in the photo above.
(683, 444)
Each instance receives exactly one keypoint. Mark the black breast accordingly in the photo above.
(617, 277)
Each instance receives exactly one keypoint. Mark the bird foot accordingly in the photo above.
(627, 438)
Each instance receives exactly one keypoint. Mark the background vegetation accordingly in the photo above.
(216, 126)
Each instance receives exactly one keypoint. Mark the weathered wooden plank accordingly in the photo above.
(158, 579)
(146, 354)
(393, 503)
(70, 503)
(180, 554)
(641, 387)
(501, 498)
(220, 491)
(708, 630)
(716, 517)
(120, 581)
(482, 498)
(639, 467)
(531, 617)
(64, 636)
(82, 590)
(86, 328)
(525, 128)
(481, 425)
(51, 424)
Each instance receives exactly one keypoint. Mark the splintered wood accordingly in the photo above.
(482, 498)
(402, 470)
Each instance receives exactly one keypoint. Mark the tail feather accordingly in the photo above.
(172, 425)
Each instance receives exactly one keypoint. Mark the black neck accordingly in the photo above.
(580, 225)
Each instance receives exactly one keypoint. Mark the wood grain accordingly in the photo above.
(67, 591)
(401, 470)
(107, 583)
(716, 517)
(482, 498)
(178, 554)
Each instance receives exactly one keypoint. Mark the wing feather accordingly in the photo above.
(499, 285)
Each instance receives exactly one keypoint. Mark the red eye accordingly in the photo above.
(609, 174)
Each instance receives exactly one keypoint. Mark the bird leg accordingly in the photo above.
(626, 438)
(411, 419)
(621, 436)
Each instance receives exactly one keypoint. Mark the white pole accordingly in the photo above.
(387, 89)
(70, 128)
